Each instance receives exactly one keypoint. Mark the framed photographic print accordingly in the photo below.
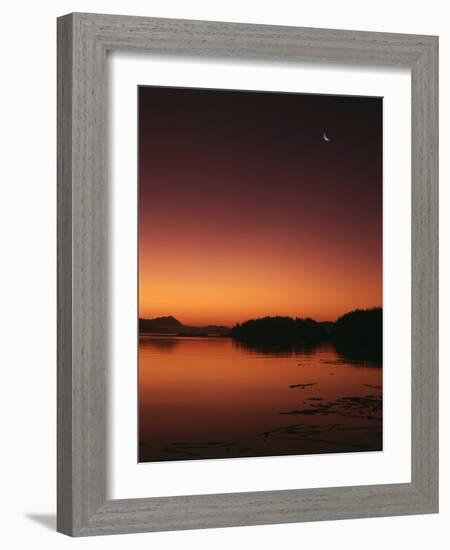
(247, 274)
(260, 256)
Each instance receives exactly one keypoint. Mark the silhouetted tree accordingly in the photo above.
(359, 334)
(279, 330)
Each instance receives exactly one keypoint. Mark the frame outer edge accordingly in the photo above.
(256, 508)
(89, 271)
(82, 276)
(82, 268)
(64, 274)
(250, 41)
(425, 273)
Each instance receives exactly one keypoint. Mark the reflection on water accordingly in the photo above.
(276, 350)
(217, 398)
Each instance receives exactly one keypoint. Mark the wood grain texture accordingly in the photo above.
(64, 266)
(425, 253)
(83, 40)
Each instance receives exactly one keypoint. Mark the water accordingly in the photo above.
(215, 398)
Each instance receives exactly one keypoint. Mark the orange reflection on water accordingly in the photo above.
(213, 398)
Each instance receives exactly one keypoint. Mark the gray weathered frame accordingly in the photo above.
(83, 40)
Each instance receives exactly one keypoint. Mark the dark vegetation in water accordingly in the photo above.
(306, 437)
(367, 407)
(330, 434)
(312, 438)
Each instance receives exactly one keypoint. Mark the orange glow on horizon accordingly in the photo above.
(245, 211)
(224, 285)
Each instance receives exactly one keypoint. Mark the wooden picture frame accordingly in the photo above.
(83, 40)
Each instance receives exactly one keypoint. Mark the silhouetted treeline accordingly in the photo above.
(359, 334)
(279, 330)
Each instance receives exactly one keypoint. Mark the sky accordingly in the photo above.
(246, 211)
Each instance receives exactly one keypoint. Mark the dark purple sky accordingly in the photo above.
(245, 210)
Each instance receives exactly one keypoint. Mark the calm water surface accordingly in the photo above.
(215, 398)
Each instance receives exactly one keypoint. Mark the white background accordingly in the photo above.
(131, 480)
(28, 303)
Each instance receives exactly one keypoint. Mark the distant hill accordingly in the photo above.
(170, 325)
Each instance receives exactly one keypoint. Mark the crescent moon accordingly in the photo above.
(325, 137)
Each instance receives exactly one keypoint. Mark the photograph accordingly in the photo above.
(260, 273)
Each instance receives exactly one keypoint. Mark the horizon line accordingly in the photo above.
(259, 317)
